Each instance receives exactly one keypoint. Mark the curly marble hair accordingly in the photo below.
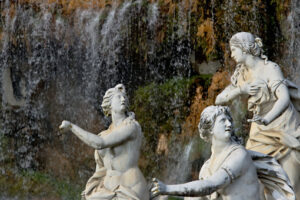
(207, 122)
(249, 44)
(106, 103)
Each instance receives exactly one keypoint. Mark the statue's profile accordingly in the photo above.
(231, 172)
(117, 174)
(274, 101)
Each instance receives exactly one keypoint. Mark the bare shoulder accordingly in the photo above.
(240, 153)
(132, 124)
(239, 157)
(238, 162)
(274, 70)
(204, 170)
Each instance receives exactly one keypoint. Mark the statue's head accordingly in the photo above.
(247, 42)
(216, 121)
(115, 99)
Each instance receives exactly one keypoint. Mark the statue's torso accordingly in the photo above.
(244, 187)
(121, 163)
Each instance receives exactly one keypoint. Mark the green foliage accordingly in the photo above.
(30, 184)
(34, 184)
(162, 109)
(282, 7)
(161, 104)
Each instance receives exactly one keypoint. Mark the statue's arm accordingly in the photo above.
(89, 138)
(228, 94)
(231, 92)
(114, 138)
(233, 167)
(283, 98)
(119, 135)
(197, 188)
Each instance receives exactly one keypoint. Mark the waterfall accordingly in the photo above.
(57, 65)
(178, 172)
(57, 59)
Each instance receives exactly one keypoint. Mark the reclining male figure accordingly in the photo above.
(232, 172)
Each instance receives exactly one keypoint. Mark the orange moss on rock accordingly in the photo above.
(202, 99)
(206, 31)
(162, 146)
(67, 6)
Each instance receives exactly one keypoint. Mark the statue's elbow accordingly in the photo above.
(99, 144)
(284, 102)
(219, 101)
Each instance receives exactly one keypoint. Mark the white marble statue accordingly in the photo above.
(274, 101)
(232, 172)
(117, 175)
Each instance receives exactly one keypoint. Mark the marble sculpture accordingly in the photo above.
(117, 150)
(232, 172)
(274, 101)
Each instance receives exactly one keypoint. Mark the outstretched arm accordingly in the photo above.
(232, 168)
(89, 138)
(122, 133)
(231, 92)
(228, 94)
(116, 137)
(195, 188)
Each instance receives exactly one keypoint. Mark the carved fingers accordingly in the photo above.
(254, 89)
(157, 188)
(250, 89)
(65, 126)
(259, 120)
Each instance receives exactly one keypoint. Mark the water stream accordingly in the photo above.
(57, 65)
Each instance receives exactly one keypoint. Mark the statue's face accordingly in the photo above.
(119, 102)
(222, 128)
(237, 54)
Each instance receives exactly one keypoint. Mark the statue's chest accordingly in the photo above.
(110, 153)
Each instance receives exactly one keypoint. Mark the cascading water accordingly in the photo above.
(57, 63)
(182, 166)
(57, 66)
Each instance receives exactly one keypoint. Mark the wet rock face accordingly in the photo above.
(290, 27)
(59, 57)
(56, 64)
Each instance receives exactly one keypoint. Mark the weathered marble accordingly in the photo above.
(232, 172)
(274, 101)
(117, 175)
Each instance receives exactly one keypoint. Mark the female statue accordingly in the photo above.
(117, 175)
(274, 101)
(231, 172)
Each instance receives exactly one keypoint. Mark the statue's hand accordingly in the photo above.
(157, 188)
(250, 89)
(65, 126)
(259, 120)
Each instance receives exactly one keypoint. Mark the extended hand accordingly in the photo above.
(259, 120)
(157, 188)
(250, 89)
(65, 126)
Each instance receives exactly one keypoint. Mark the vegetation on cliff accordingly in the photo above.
(161, 109)
(52, 48)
